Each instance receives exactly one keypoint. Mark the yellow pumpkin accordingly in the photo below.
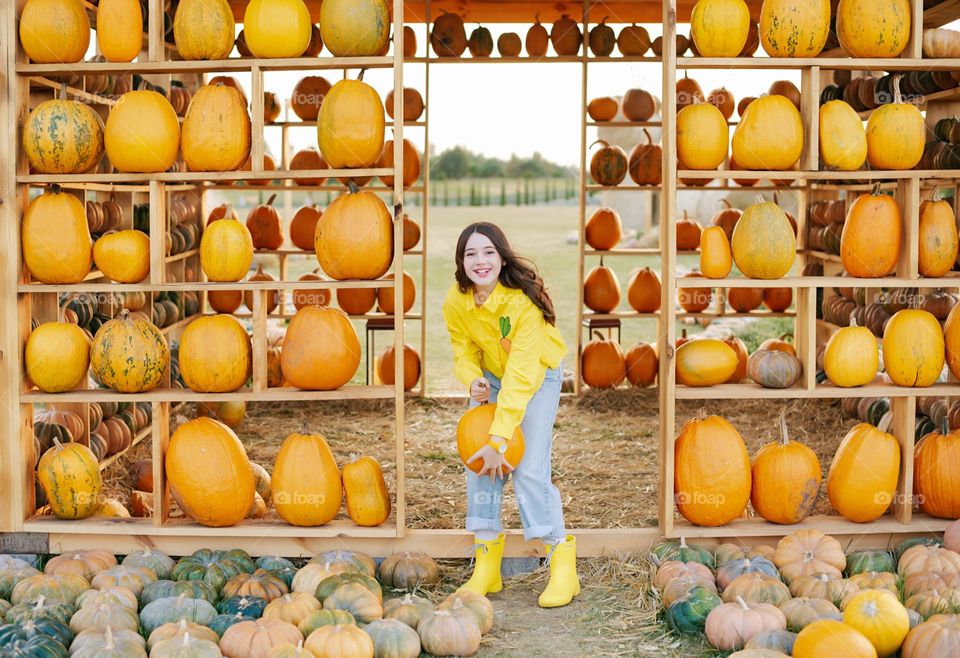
(938, 237)
(209, 473)
(705, 362)
(119, 29)
(851, 357)
(215, 354)
(355, 29)
(895, 134)
(307, 489)
(763, 244)
(913, 348)
(769, 136)
(129, 355)
(55, 238)
(63, 137)
(367, 497)
(216, 130)
(880, 617)
(203, 29)
(711, 471)
(843, 141)
(702, 136)
(226, 250)
(70, 477)
(57, 356)
(350, 125)
(142, 133)
(54, 31)
(863, 475)
(123, 256)
(354, 237)
(785, 479)
(951, 333)
(827, 638)
(871, 216)
(320, 365)
(716, 259)
(719, 28)
(277, 28)
(788, 29)
(873, 28)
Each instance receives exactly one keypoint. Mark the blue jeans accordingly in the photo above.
(537, 497)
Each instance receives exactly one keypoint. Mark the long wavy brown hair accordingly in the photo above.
(517, 272)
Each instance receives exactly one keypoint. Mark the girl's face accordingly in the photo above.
(481, 261)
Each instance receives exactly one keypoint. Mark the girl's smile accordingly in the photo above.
(482, 262)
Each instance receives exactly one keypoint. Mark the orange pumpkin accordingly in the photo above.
(646, 162)
(263, 223)
(473, 432)
(303, 227)
(744, 300)
(411, 162)
(777, 300)
(411, 366)
(785, 479)
(643, 291)
(273, 296)
(307, 96)
(740, 348)
(320, 365)
(310, 159)
(938, 237)
(603, 230)
(872, 233)
(311, 296)
(602, 364)
(368, 501)
(354, 237)
(356, 301)
(694, 300)
(688, 233)
(642, 363)
(307, 489)
(601, 289)
(385, 296)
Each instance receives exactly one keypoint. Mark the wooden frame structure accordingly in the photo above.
(21, 297)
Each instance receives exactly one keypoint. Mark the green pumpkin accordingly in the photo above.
(877, 410)
(41, 609)
(164, 589)
(773, 640)
(159, 563)
(38, 646)
(274, 563)
(221, 623)
(57, 630)
(923, 427)
(319, 618)
(866, 561)
(10, 576)
(733, 568)
(249, 606)
(681, 552)
(213, 567)
(906, 544)
(393, 638)
(330, 584)
(286, 574)
(163, 611)
(689, 614)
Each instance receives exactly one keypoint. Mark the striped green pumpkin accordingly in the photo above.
(63, 137)
(69, 475)
(129, 355)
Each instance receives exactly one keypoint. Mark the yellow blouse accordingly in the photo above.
(508, 337)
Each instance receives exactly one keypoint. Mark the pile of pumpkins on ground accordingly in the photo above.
(224, 603)
(805, 598)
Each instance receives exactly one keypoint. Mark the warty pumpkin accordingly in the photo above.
(711, 471)
(870, 28)
(355, 29)
(646, 162)
(936, 479)
(209, 473)
(602, 363)
(608, 166)
(716, 260)
(705, 362)
(57, 356)
(215, 354)
(308, 95)
(843, 140)
(129, 355)
(216, 129)
(411, 366)
(123, 256)
(938, 237)
(303, 354)
(63, 136)
(226, 250)
(851, 357)
(365, 492)
(354, 237)
(303, 226)
(913, 348)
(447, 36)
(863, 476)
(307, 489)
(763, 244)
(788, 30)
(67, 258)
(871, 216)
(350, 125)
(70, 478)
(263, 222)
(601, 289)
(719, 27)
(769, 135)
(385, 295)
(603, 230)
(785, 479)
(54, 31)
(203, 29)
(643, 291)
(279, 28)
(411, 163)
(895, 132)
(702, 137)
(642, 364)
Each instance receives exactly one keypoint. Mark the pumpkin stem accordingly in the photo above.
(186, 640)
(109, 638)
(270, 200)
(54, 189)
(743, 605)
(885, 421)
(784, 439)
(649, 138)
(353, 186)
(600, 141)
(760, 199)
(895, 84)
(63, 91)
(726, 203)
(599, 335)
(41, 598)
(933, 195)
(360, 76)
(875, 190)
(945, 425)
(701, 415)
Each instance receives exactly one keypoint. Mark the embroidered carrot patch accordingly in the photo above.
(504, 332)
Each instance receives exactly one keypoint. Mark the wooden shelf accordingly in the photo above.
(816, 282)
(653, 251)
(313, 124)
(829, 63)
(893, 174)
(624, 187)
(200, 176)
(351, 392)
(751, 391)
(179, 527)
(621, 315)
(36, 288)
(643, 59)
(232, 65)
(416, 189)
(73, 92)
(571, 59)
(831, 525)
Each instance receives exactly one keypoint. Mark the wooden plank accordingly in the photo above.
(155, 40)
(842, 63)
(835, 526)
(201, 176)
(256, 108)
(914, 47)
(908, 264)
(158, 232)
(72, 92)
(751, 391)
(581, 214)
(903, 427)
(351, 392)
(810, 114)
(890, 174)
(40, 288)
(424, 220)
(399, 509)
(259, 341)
(160, 425)
(817, 282)
(232, 65)
(805, 336)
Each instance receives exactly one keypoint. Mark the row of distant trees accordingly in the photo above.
(458, 163)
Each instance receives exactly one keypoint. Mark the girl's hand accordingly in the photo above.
(494, 464)
(480, 390)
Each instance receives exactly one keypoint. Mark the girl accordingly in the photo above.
(507, 350)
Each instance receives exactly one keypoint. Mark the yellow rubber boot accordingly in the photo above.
(564, 583)
(486, 568)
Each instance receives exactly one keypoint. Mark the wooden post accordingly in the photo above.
(161, 438)
(256, 105)
(259, 340)
(398, 344)
(810, 115)
(582, 202)
(158, 232)
(904, 421)
(425, 215)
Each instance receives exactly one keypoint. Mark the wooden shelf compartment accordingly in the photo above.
(751, 391)
(350, 392)
(871, 175)
(415, 189)
(200, 176)
(567, 59)
(231, 65)
(828, 524)
(622, 315)
(817, 282)
(828, 63)
(40, 288)
(945, 95)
